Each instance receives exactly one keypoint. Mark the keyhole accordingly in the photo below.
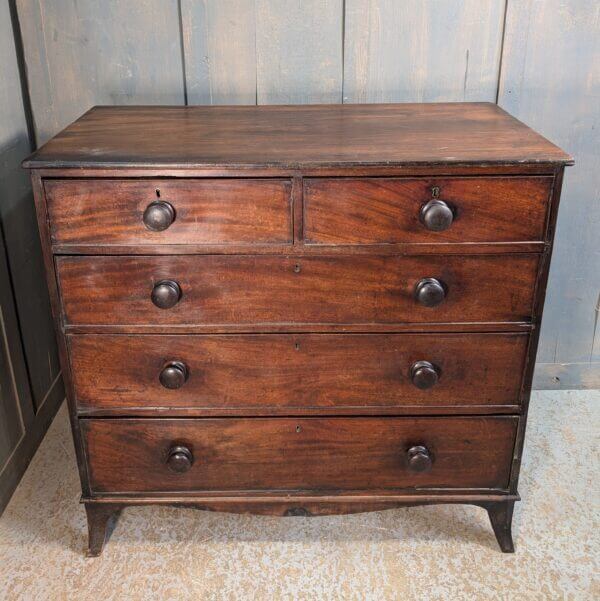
(157, 193)
(435, 191)
(297, 346)
(298, 429)
(297, 268)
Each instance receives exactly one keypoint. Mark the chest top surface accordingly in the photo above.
(296, 137)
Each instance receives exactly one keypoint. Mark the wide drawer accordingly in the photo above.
(265, 291)
(389, 210)
(283, 372)
(202, 211)
(314, 454)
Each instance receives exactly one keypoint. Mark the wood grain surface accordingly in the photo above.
(296, 137)
(422, 51)
(386, 210)
(207, 211)
(316, 454)
(278, 373)
(263, 291)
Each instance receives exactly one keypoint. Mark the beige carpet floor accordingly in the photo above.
(443, 552)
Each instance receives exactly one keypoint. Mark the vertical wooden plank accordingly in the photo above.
(422, 50)
(30, 397)
(19, 224)
(299, 51)
(220, 51)
(83, 52)
(551, 80)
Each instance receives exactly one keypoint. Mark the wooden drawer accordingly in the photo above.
(313, 454)
(278, 373)
(267, 291)
(387, 210)
(205, 211)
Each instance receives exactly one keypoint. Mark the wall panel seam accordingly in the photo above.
(500, 59)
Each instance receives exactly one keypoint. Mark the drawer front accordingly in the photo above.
(278, 372)
(388, 210)
(277, 291)
(203, 211)
(313, 454)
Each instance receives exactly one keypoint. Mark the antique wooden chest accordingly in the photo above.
(298, 310)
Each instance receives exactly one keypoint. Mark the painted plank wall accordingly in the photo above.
(537, 58)
(550, 79)
(31, 388)
(85, 52)
(19, 224)
(422, 50)
(219, 43)
(262, 51)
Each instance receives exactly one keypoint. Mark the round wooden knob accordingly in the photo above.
(419, 459)
(430, 292)
(159, 215)
(173, 375)
(424, 374)
(166, 294)
(436, 215)
(180, 459)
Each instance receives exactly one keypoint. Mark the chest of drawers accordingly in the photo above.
(298, 310)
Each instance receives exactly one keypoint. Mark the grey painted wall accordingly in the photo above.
(30, 384)
(540, 59)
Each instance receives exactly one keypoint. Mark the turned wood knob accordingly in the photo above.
(166, 294)
(430, 292)
(419, 459)
(436, 215)
(424, 374)
(173, 375)
(180, 459)
(159, 215)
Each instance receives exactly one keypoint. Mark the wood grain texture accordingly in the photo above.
(207, 211)
(422, 50)
(551, 78)
(219, 41)
(386, 210)
(299, 51)
(263, 291)
(253, 373)
(86, 53)
(312, 454)
(296, 137)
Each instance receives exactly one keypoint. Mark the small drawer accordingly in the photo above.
(278, 373)
(160, 211)
(425, 210)
(271, 291)
(304, 454)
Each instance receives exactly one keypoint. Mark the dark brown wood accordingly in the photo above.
(540, 296)
(300, 248)
(279, 373)
(500, 514)
(206, 211)
(101, 520)
(296, 136)
(55, 304)
(311, 454)
(291, 290)
(389, 210)
(299, 302)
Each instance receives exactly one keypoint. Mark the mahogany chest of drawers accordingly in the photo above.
(298, 310)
